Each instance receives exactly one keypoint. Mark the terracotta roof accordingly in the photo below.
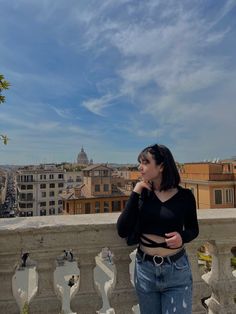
(86, 193)
(68, 196)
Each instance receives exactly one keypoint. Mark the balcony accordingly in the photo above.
(46, 237)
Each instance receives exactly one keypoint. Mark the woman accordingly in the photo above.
(168, 219)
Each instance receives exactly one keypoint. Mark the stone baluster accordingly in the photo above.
(88, 297)
(8, 262)
(121, 295)
(221, 280)
(45, 300)
(200, 288)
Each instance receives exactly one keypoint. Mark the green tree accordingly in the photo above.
(4, 84)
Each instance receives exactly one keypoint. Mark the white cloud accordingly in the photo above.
(63, 113)
(150, 133)
(228, 5)
(217, 36)
(98, 105)
(20, 122)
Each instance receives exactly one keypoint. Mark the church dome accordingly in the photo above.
(82, 157)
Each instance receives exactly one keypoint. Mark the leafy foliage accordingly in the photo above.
(4, 84)
(4, 138)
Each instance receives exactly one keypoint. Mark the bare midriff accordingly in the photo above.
(161, 251)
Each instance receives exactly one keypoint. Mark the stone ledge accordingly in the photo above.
(40, 222)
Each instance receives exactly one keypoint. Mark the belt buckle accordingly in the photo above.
(159, 257)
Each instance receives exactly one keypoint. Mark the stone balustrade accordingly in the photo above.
(46, 237)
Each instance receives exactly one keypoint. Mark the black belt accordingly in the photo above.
(158, 260)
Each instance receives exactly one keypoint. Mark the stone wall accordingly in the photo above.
(46, 237)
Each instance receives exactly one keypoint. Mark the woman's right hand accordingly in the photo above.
(142, 184)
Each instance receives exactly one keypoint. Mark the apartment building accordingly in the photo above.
(229, 166)
(213, 184)
(100, 192)
(73, 178)
(38, 189)
(131, 176)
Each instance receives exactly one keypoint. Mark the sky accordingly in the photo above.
(115, 76)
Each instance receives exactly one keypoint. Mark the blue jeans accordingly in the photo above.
(164, 289)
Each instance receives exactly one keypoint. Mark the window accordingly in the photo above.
(51, 211)
(218, 197)
(43, 212)
(105, 173)
(43, 176)
(59, 202)
(42, 204)
(97, 187)
(29, 205)
(29, 213)
(30, 187)
(78, 206)
(52, 185)
(59, 210)
(51, 176)
(22, 197)
(87, 208)
(43, 186)
(60, 176)
(78, 179)
(106, 207)
(97, 207)
(60, 185)
(51, 193)
(106, 187)
(23, 187)
(29, 196)
(28, 178)
(116, 206)
(43, 194)
(26, 197)
(229, 196)
(51, 203)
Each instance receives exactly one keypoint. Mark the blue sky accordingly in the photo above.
(114, 76)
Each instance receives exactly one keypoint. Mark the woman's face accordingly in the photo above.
(149, 170)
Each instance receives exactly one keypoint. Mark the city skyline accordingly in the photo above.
(117, 77)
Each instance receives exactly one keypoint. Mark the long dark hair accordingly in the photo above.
(162, 155)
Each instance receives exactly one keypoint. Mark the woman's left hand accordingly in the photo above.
(173, 240)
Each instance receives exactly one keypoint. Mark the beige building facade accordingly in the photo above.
(38, 189)
(73, 178)
(213, 184)
(100, 192)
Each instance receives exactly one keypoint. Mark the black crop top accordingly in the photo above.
(156, 217)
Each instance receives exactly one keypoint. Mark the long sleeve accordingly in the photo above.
(128, 217)
(191, 229)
